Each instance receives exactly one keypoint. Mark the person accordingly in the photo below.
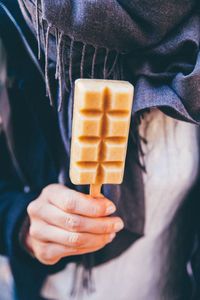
(141, 240)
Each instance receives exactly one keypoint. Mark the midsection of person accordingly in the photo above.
(171, 158)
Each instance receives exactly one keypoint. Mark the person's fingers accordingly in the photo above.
(47, 233)
(77, 203)
(76, 223)
(51, 253)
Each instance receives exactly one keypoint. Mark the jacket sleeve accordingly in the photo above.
(13, 197)
(14, 200)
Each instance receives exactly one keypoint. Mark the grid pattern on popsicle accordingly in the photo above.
(100, 136)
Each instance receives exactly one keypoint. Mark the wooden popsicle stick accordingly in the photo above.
(95, 190)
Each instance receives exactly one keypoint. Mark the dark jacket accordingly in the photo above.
(26, 153)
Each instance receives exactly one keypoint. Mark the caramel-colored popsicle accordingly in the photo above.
(101, 121)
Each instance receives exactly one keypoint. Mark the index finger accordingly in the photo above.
(77, 203)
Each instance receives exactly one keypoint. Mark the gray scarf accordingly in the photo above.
(157, 42)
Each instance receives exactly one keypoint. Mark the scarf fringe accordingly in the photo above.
(82, 61)
(38, 29)
(60, 70)
(43, 33)
(105, 63)
(61, 47)
(57, 47)
(114, 65)
(83, 279)
(93, 62)
(48, 87)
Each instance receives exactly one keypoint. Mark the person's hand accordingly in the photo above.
(64, 222)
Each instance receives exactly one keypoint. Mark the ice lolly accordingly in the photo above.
(101, 121)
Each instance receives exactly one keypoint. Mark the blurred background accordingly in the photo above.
(6, 281)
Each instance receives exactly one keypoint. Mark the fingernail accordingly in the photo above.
(112, 236)
(118, 226)
(110, 209)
